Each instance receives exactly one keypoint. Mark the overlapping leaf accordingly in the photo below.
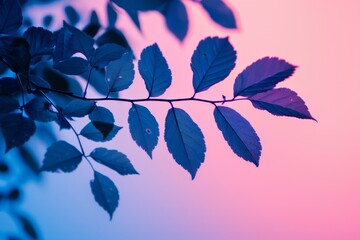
(91, 132)
(72, 66)
(40, 42)
(39, 109)
(238, 133)
(262, 76)
(11, 16)
(184, 140)
(212, 62)
(106, 53)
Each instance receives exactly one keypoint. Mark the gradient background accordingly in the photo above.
(308, 182)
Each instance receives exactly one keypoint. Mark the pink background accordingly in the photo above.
(308, 182)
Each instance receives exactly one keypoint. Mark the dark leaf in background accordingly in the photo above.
(39, 81)
(9, 86)
(10, 16)
(61, 156)
(15, 52)
(106, 53)
(79, 108)
(144, 128)
(40, 42)
(262, 76)
(29, 159)
(212, 62)
(72, 66)
(39, 109)
(120, 73)
(94, 134)
(111, 14)
(220, 13)
(184, 140)
(47, 20)
(105, 193)
(82, 42)
(281, 102)
(8, 104)
(27, 226)
(72, 15)
(238, 133)
(176, 18)
(113, 159)
(134, 15)
(113, 35)
(139, 5)
(93, 26)
(154, 70)
(16, 130)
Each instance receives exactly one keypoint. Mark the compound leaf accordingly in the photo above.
(238, 133)
(61, 156)
(184, 140)
(212, 62)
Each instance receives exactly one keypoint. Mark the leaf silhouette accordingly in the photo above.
(154, 70)
(27, 226)
(120, 73)
(106, 53)
(101, 114)
(15, 52)
(40, 42)
(61, 156)
(139, 5)
(115, 36)
(78, 108)
(11, 16)
(176, 18)
(262, 76)
(8, 104)
(39, 109)
(16, 130)
(238, 133)
(144, 128)
(72, 15)
(281, 102)
(111, 14)
(72, 66)
(220, 13)
(113, 159)
(93, 27)
(212, 62)
(105, 193)
(90, 131)
(184, 140)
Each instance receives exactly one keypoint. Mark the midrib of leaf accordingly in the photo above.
(153, 75)
(142, 127)
(246, 147)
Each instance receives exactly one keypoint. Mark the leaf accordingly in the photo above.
(62, 122)
(14, 51)
(9, 86)
(16, 130)
(91, 132)
(238, 133)
(212, 62)
(72, 15)
(79, 108)
(104, 127)
(106, 53)
(262, 76)
(184, 140)
(111, 14)
(120, 73)
(139, 5)
(144, 128)
(47, 20)
(220, 13)
(281, 102)
(154, 70)
(113, 159)
(40, 42)
(8, 104)
(28, 159)
(93, 26)
(105, 193)
(27, 226)
(72, 66)
(11, 16)
(134, 15)
(61, 156)
(113, 35)
(39, 109)
(101, 114)
(176, 18)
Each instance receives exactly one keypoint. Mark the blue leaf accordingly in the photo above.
(72, 15)
(79, 108)
(39, 109)
(14, 51)
(177, 18)
(111, 14)
(281, 102)
(40, 42)
(154, 70)
(93, 27)
(113, 159)
(101, 114)
(47, 20)
(91, 132)
(120, 73)
(27, 226)
(212, 62)
(184, 140)
(11, 16)
(220, 13)
(262, 76)
(16, 130)
(134, 15)
(9, 86)
(115, 36)
(61, 156)
(72, 66)
(144, 128)
(105, 193)
(238, 133)
(106, 53)
(139, 5)
(8, 104)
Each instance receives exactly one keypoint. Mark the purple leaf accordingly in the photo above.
(262, 76)
(281, 102)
